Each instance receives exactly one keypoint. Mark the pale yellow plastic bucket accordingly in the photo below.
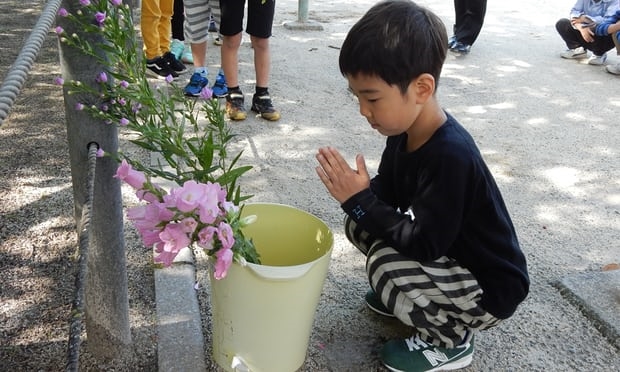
(262, 315)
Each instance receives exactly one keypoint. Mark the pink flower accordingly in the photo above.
(59, 30)
(150, 216)
(100, 153)
(205, 237)
(134, 178)
(116, 2)
(150, 238)
(173, 240)
(189, 225)
(123, 122)
(192, 213)
(188, 197)
(209, 209)
(85, 2)
(225, 235)
(174, 237)
(100, 17)
(137, 213)
(206, 93)
(123, 84)
(102, 77)
(163, 212)
(63, 12)
(79, 106)
(223, 262)
(229, 206)
(59, 80)
(147, 196)
(146, 220)
(169, 79)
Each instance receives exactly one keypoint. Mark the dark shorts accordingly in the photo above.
(260, 17)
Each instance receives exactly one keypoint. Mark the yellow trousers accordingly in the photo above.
(155, 26)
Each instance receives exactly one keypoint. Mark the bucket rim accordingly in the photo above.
(290, 271)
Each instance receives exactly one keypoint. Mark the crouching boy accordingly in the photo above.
(442, 253)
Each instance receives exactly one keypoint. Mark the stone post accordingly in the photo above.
(106, 299)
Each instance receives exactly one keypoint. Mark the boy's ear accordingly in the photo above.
(424, 87)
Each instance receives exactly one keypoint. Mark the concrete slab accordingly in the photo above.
(303, 26)
(180, 344)
(597, 294)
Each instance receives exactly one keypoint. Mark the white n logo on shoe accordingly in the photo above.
(435, 357)
(432, 355)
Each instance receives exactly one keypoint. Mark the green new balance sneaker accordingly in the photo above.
(414, 354)
(374, 303)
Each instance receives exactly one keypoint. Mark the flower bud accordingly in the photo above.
(247, 220)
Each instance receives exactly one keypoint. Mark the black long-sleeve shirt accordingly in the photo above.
(458, 212)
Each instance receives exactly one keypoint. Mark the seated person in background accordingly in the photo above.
(611, 27)
(577, 32)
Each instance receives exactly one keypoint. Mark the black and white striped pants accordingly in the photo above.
(440, 299)
(197, 13)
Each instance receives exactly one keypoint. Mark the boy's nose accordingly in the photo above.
(365, 111)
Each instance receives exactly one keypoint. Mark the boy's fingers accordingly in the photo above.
(361, 164)
(333, 159)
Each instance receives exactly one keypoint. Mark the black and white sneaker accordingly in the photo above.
(460, 48)
(159, 68)
(176, 65)
(262, 105)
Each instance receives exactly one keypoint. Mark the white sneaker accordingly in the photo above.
(577, 53)
(218, 40)
(597, 60)
(614, 69)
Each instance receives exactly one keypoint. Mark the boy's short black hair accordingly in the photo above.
(396, 40)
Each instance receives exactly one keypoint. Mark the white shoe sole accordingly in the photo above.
(576, 56)
(613, 70)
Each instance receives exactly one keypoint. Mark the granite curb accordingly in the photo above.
(597, 295)
(180, 345)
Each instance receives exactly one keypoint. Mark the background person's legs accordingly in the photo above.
(262, 60)
(230, 58)
(196, 33)
(149, 19)
(469, 17)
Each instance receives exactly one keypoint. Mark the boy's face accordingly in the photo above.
(387, 110)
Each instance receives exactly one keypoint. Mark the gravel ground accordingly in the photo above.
(547, 127)
(38, 239)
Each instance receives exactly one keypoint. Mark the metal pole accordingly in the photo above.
(302, 11)
(106, 298)
(303, 23)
